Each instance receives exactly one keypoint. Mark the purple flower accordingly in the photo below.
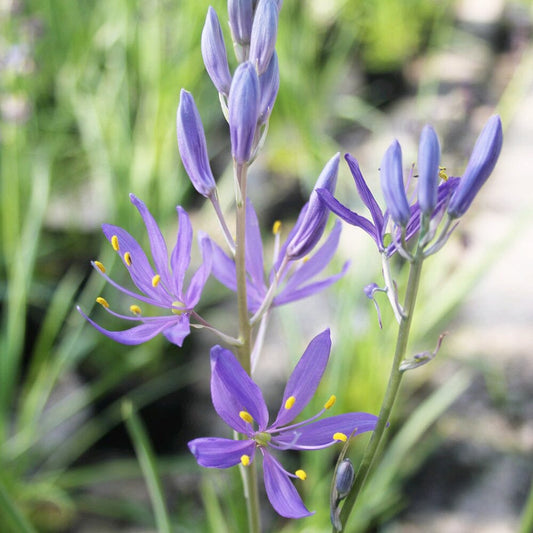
(480, 166)
(391, 174)
(214, 53)
(243, 109)
(192, 145)
(377, 226)
(239, 402)
(162, 286)
(295, 278)
(428, 170)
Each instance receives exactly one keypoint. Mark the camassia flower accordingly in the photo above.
(162, 286)
(239, 402)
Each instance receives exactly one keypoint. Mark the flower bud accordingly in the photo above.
(264, 32)
(214, 53)
(428, 170)
(344, 478)
(192, 145)
(392, 185)
(268, 85)
(479, 167)
(243, 108)
(241, 14)
(314, 220)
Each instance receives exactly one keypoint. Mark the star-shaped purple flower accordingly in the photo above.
(162, 286)
(239, 402)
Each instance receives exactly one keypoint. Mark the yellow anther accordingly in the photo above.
(155, 280)
(340, 436)
(329, 404)
(289, 402)
(102, 302)
(135, 309)
(100, 266)
(114, 243)
(245, 460)
(442, 173)
(127, 258)
(301, 474)
(276, 227)
(306, 258)
(246, 416)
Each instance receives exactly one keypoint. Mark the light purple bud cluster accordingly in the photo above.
(316, 215)
(391, 174)
(192, 145)
(243, 110)
(480, 165)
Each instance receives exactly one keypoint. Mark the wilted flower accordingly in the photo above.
(480, 165)
(239, 402)
(162, 287)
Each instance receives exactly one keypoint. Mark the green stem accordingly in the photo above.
(392, 386)
(249, 473)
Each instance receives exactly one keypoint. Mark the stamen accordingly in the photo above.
(245, 460)
(301, 474)
(340, 436)
(329, 404)
(155, 280)
(289, 402)
(100, 266)
(127, 258)
(135, 309)
(246, 416)
(305, 259)
(102, 302)
(442, 173)
(114, 243)
(276, 227)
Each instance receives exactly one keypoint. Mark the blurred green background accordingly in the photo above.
(89, 91)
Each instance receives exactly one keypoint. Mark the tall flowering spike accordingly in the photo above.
(428, 170)
(243, 109)
(264, 32)
(241, 15)
(192, 145)
(268, 85)
(314, 221)
(480, 165)
(391, 173)
(239, 402)
(214, 53)
(162, 287)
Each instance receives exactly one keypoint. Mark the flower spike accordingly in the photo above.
(480, 166)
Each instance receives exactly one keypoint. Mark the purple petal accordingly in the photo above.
(349, 216)
(200, 276)
(157, 242)
(319, 434)
(223, 268)
(135, 335)
(280, 491)
(213, 452)
(317, 262)
(391, 173)
(241, 13)
(254, 248)
(181, 329)
(364, 193)
(428, 169)
(305, 378)
(264, 32)
(140, 270)
(269, 86)
(181, 254)
(233, 391)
